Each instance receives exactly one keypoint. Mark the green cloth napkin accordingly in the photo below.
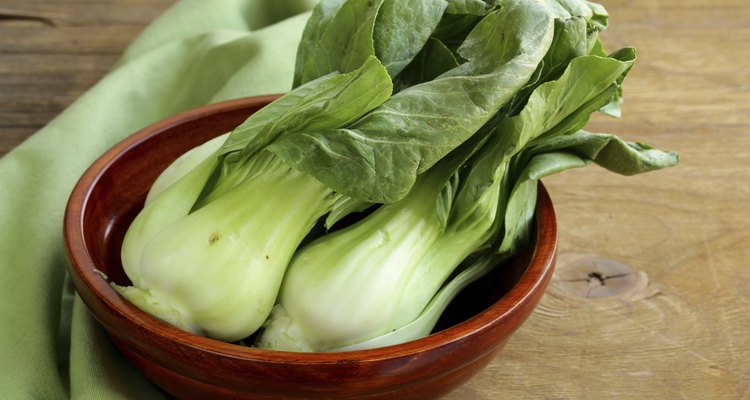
(197, 52)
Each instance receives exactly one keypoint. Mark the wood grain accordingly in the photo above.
(51, 52)
(687, 334)
(687, 229)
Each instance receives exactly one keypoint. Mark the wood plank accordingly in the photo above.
(685, 334)
(51, 52)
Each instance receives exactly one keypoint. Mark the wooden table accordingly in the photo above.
(651, 298)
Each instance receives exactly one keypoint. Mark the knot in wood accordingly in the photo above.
(595, 277)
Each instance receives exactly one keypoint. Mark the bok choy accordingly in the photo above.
(387, 278)
(440, 116)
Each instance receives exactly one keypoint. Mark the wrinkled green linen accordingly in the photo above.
(197, 52)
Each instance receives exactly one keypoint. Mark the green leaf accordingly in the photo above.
(338, 38)
(614, 107)
(328, 102)
(332, 101)
(377, 158)
(599, 16)
(565, 152)
(519, 211)
(453, 29)
(401, 29)
(566, 102)
(499, 37)
(433, 60)
(569, 43)
(554, 107)
(633, 158)
(320, 20)
(598, 49)
(473, 7)
(595, 14)
(609, 151)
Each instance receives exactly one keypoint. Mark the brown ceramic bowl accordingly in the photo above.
(110, 194)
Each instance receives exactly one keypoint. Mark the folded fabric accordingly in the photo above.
(196, 53)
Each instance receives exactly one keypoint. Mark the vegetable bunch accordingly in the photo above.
(436, 117)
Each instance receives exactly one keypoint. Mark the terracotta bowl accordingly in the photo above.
(111, 193)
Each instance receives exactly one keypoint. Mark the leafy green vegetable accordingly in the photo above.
(340, 36)
(470, 7)
(557, 154)
(378, 158)
(433, 60)
(337, 38)
(218, 246)
(437, 117)
(331, 101)
(203, 213)
(414, 249)
(402, 28)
